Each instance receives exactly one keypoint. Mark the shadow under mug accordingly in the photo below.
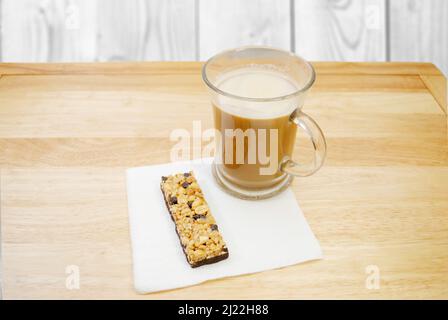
(240, 175)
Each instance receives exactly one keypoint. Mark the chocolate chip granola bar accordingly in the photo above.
(197, 230)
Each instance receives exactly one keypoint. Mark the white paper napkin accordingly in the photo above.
(260, 235)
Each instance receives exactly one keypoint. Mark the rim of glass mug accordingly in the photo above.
(304, 88)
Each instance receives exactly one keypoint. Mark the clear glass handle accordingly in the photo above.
(310, 126)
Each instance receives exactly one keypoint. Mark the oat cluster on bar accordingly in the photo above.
(195, 225)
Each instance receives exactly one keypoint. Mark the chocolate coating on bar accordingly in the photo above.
(196, 228)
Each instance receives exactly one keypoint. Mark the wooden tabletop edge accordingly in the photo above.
(438, 88)
(186, 67)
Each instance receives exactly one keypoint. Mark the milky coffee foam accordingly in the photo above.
(256, 82)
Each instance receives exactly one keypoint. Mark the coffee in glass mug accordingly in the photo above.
(257, 94)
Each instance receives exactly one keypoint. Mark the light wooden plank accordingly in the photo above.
(103, 68)
(40, 31)
(121, 30)
(27, 113)
(84, 103)
(135, 152)
(345, 83)
(67, 138)
(419, 31)
(234, 23)
(392, 217)
(146, 30)
(389, 68)
(438, 87)
(22, 33)
(343, 68)
(92, 30)
(170, 31)
(352, 30)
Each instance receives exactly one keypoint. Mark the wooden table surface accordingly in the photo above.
(69, 131)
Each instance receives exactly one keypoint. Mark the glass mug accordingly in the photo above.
(257, 94)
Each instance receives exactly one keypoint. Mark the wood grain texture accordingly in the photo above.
(97, 30)
(171, 30)
(419, 31)
(438, 87)
(146, 30)
(41, 31)
(233, 23)
(160, 68)
(68, 132)
(121, 30)
(340, 30)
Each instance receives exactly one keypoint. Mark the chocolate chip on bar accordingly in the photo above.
(197, 230)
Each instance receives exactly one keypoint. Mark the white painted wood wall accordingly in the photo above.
(133, 30)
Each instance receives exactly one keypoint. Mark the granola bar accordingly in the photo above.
(197, 230)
